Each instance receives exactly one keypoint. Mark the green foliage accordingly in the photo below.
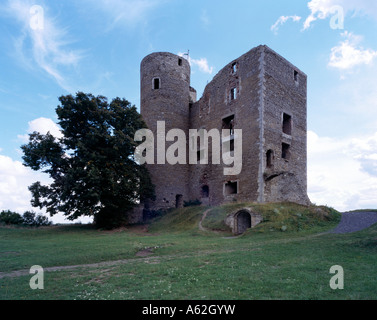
(92, 166)
(29, 218)
(10, 218)
(191, 203)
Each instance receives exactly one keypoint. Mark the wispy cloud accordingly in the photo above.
(201, 63)
(349, 54)
(283, 19)
(47, 47)
(124, 12)
(204, 18)
(323, 9)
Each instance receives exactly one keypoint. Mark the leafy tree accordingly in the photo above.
(9, 217)
(28, 218)
(92, 166)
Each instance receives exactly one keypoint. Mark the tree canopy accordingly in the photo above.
(92, 166)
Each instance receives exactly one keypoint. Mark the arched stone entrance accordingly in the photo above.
(243, 221)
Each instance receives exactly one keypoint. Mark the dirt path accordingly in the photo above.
(355, 221)
(201, 228)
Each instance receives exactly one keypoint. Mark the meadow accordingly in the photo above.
(288, 256)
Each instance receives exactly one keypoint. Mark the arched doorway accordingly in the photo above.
(205, 192)
(243, 221)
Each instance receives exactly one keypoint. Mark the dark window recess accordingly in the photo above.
(179, 61)
(233, 94)
(295, 75)
(156, 83)
(285, 151)
(228, 123)
(205, 192)
(179, 201)
(270, 158)
(234, 67)
(231, 188)
(287, 124)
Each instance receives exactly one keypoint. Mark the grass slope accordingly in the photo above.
(185, 263)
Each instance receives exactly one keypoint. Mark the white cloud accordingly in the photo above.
(349, 54)
(342, 172)
(48, 45)
(14, 193)
(323, 9)
(201, 63)
(124, 12)
(282, 20)
(42, 125)
(14, 181)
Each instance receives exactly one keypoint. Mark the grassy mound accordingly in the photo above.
(277, 217)
(283, 217)
(177, 220)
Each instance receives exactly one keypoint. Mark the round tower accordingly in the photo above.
(165, 96)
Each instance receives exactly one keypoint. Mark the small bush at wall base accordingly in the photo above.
(192, 203)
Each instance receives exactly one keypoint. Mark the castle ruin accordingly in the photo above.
(261, 93)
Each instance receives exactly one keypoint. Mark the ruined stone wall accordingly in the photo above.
(209, 112)
(265, 95)
(285, 94)
(169, 103)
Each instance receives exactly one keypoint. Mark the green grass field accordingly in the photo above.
(173, 259)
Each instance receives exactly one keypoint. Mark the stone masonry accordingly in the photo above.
(261, 93)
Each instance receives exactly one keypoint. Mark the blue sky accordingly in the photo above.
(96, 46)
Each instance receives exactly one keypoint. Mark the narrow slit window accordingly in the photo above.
(180, 62)
(156, 83)
(234, 67)
(287, 124)
(233, 94)
(286, 152)
(295, 75)
(270, 158)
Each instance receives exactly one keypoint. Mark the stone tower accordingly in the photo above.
(260, 93)
(165, 96)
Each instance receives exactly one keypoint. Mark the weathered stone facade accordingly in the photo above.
(262, 94)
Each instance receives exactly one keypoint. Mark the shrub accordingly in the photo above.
(192, 203)
(41, 221)
(8, 217)
(29, 218)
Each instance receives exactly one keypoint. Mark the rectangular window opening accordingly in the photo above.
(285, 152)
(228, 123)
(234, 67)
(231, 188)
(156, 83)
(180, 62)
(287, 124)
